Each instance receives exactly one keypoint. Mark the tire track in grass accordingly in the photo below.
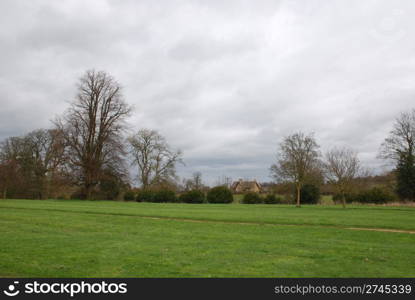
(212, 221)
(381, 229)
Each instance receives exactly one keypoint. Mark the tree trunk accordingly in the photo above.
(343, 193)
(44, 188)
(88, 192)
(4, 192)
(298, 195)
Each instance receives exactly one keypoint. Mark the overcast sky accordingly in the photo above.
(222, 80)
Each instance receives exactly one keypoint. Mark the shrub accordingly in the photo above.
(338, 197)
(129, 196)
(272, 199)
(375, 195)
(220, 194)
(194, 196)
(310, 194)
(77, 195)
(289, 198)
(349, 197)
(145, 196)
(252, 198)
(164, 196)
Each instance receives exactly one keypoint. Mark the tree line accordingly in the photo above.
(300, 162)
(86, 155)
(85, 152)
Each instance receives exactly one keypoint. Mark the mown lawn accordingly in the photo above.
(113, 239)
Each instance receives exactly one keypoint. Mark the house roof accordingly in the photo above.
(245, 185)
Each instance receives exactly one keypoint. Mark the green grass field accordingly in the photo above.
(120, 239)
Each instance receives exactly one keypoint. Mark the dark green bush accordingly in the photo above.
(164, 196)
(77, 195)
(375, 195)
(337, 198)
(145, 196)
(379, 195)
(310, 194)
(129, 196)
(220, 194)
(349, 197)
(272, 199)
(252, 198)
(193, 196)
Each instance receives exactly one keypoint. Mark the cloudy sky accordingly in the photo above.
(222, 80)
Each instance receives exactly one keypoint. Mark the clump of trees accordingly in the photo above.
(300, 162)
(85, 154)
(31, 164)
(399, 147)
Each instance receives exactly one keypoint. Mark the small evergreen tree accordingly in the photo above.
(193, 196)
(252, 198)
(220, 194)
(310, 194)
(405, 176)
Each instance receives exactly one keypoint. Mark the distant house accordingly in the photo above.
(242, 186)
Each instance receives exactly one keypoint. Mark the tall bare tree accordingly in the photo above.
(401, 139)
(93, 128)
(341, 166)
(155, 159)
(297, 158)
(399, 147)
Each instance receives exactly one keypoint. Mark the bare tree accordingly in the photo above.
(93, 128)
(30, 162)
(399, 147)
(401, 140)
(298, 157)
(194, 183)
(224, 181)
(10, 169)
(341, 166)
(197, 181)
(47, 149)
(155, 159)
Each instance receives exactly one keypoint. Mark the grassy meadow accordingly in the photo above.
(127, 239)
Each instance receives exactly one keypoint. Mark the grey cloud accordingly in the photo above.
(222, 80)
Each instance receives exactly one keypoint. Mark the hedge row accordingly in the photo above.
(254, 198)
(219, 194)
(374, 195)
